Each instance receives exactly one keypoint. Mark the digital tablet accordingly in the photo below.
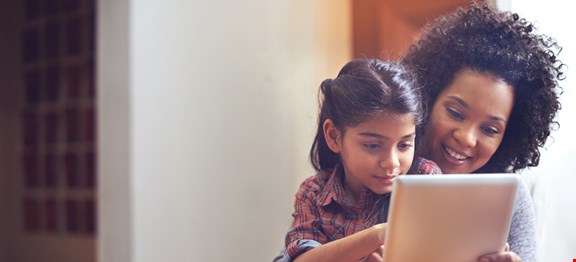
(449, 218)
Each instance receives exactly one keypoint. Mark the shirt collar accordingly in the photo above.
(334, 190)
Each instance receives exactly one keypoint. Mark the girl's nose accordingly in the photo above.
(390, 162)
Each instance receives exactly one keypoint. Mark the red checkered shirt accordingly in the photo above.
(323, 212)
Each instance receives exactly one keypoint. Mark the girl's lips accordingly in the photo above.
(387, 180)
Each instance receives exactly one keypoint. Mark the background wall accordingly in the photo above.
(20, 242)
(206, 114)
(207, 111)
(554, 179)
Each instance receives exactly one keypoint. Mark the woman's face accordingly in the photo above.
(467, 122)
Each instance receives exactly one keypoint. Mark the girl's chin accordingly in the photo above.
(382, 190)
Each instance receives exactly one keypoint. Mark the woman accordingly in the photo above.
(491, 91)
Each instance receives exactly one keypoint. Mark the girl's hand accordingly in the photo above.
(505, 256)
(375, 256)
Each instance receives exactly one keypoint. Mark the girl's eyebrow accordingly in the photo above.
(464, 104)
(376, 135)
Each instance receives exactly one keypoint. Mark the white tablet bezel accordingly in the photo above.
(449, 217)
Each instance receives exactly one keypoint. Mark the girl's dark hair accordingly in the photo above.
(484, 39)
(362, 89)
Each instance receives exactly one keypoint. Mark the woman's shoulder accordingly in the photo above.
(522, 235)
(523, 202)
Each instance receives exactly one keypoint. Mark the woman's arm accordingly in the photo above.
(350, 248)
(522, 236)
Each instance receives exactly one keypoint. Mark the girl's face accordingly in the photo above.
(467, 122)
(374, 152)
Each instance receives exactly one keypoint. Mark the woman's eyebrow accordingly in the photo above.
(497, 118)
(459, 101)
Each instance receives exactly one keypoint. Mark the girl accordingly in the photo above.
(365, 138)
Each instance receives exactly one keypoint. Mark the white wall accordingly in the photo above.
(206, 112)
(554, 179)
(115, 229)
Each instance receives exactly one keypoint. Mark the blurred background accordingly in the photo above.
(139, 130)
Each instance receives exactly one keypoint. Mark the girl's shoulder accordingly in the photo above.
(316, 183)
(426, 167)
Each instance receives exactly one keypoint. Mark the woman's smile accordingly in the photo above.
(452, 154)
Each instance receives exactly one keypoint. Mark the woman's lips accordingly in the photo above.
(454, 157)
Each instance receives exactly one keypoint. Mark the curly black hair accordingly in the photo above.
(484, 39)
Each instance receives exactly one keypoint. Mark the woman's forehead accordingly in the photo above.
(481, 91)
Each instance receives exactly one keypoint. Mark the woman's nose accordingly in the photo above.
(466, 136)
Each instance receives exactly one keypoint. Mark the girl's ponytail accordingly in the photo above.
(320, 154)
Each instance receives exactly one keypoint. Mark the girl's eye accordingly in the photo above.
(454, 113)
(372, 146)
(489, 130)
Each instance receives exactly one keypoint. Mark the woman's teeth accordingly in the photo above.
(455, 155)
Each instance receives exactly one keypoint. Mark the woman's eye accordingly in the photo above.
(454, 113)
(490, 130)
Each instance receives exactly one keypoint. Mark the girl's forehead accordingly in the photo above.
(388, 119)
(386, 126)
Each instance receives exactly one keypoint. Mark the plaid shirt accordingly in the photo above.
(323, 212)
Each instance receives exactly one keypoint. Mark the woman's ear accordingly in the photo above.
(332, 136)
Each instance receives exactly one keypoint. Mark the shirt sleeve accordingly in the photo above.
(522, 236)
(306, 231)
(303, 244)
(428, 167)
